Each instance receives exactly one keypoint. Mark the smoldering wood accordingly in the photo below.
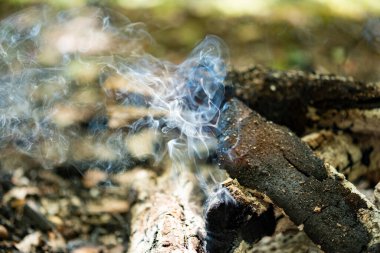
(337, 149)
(284, 96)
(271, 159)
(168, 238)
(236, 213)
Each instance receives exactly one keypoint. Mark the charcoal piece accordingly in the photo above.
(273, 160)
(235, 213)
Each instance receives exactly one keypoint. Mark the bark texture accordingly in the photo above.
(284, 96)
(339, 150)
(354, 155)
(273, 160)
(358, 121)
(164, 217)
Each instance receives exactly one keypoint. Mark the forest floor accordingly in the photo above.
(88, 211)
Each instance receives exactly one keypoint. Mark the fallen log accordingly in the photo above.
(164, 217)
(337, 149)
(235, 213)
(285, 96)
(271, 159)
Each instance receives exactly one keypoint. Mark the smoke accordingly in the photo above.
(77, 88)
(189, 95)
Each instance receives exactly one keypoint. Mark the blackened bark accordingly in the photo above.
(284, 96)
(234, 213)
(273, 160)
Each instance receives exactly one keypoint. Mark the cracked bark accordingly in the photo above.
(358, 121)
(164, 217)
(291, 242)
(339, 150)
(354, 155)
(273, 160)
(286, 96)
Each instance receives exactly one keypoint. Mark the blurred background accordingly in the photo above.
(335, 36)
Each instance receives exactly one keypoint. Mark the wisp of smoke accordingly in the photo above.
(80, 78)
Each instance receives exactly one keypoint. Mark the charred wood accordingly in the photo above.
(271, 159)
(284, 96)
(236, 213)
(357, 121)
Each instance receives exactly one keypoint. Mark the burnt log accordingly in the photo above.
(235, 213)
(285, 96)
(273, 160)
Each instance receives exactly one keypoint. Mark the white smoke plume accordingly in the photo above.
(81, 80)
